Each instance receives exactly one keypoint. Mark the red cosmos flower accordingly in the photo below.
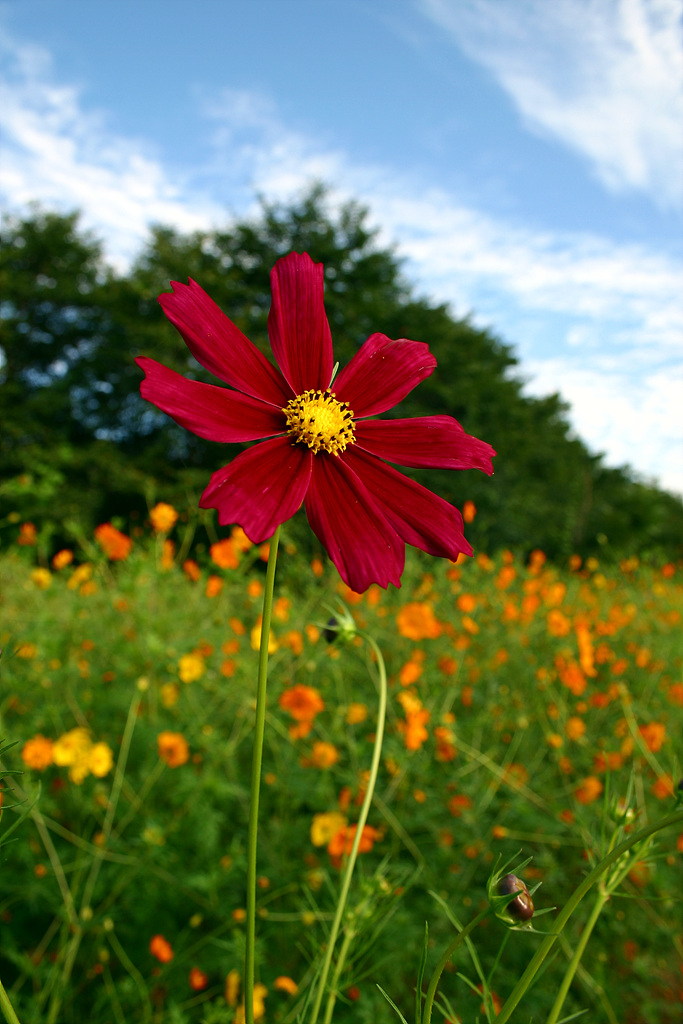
(321, 447)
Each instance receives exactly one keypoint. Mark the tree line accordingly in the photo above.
(79, 444)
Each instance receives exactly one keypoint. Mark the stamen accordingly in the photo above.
(319, 420)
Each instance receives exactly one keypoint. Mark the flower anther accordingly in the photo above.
(318, 419)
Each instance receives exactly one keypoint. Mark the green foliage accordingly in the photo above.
(78, 440)
(504, 677)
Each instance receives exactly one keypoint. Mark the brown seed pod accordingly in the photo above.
(522, 906)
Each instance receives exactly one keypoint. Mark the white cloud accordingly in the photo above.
(632, 418)
(603, 76)
(601, 323)
(67, 158)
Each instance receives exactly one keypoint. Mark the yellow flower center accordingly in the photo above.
(317, 419)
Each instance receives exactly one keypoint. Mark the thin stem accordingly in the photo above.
(450, 950)
(576, 958)
(362, 818)
(6, 1007)
(257, 757)
(571, 905)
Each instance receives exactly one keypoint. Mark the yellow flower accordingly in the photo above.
(191, 667)
(80, 575)
(232, 987)
(170, 692)
(326, 825)
(42, 578)
(356, 714)
(70, 747)
(100, 760)
(256, 639)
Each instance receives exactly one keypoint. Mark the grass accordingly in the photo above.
(525, 701)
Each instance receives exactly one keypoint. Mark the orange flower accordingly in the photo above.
(445, 747)
(285, 984)
(571, 676)
(62, 559)
(224, 554)
(663, 787)
(116, 545)
(191, 570)
(575, 728)
(557, 622)
(589, 790)
(302, 702)
(469, 511)
(37, 753)
(167, 555)
(342, 842)
(410, 673)
(654, 734)
(466, 603)
(240, 539)
(413, 729)
(416, 621)
(459, 803)
(163, 517)
(214, 585)
(160, 948)
(198, 979)
(611, 759)
(324, 755)
(173, 748)
(505, 577)
(27, 535)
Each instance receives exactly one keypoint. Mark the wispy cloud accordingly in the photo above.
(597, 321)
(603, 76)
(57, 152)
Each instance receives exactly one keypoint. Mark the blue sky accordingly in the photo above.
(524, 156)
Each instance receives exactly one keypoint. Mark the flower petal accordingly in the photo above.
(382, 373)
(209, 411)
(436, 441)
(297, 325)
(418, 516)
(261, 488)
(220, 346)
(349, 524)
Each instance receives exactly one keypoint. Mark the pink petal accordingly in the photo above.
(382, 373)
(261, 488)
(297, 325)
(220, 346)
(209, 411)
(436, 441)
(419, 517)
(350, 526)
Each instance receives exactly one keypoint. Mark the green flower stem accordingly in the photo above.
(600, 902)
(257, 757)
(571, 905)
(6, 1007)
(362, 818)
(450, 950)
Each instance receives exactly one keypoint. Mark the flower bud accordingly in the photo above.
(521, 908)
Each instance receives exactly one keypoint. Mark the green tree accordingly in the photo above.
(78, 441)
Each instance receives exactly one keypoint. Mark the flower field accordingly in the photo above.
(533, 710)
